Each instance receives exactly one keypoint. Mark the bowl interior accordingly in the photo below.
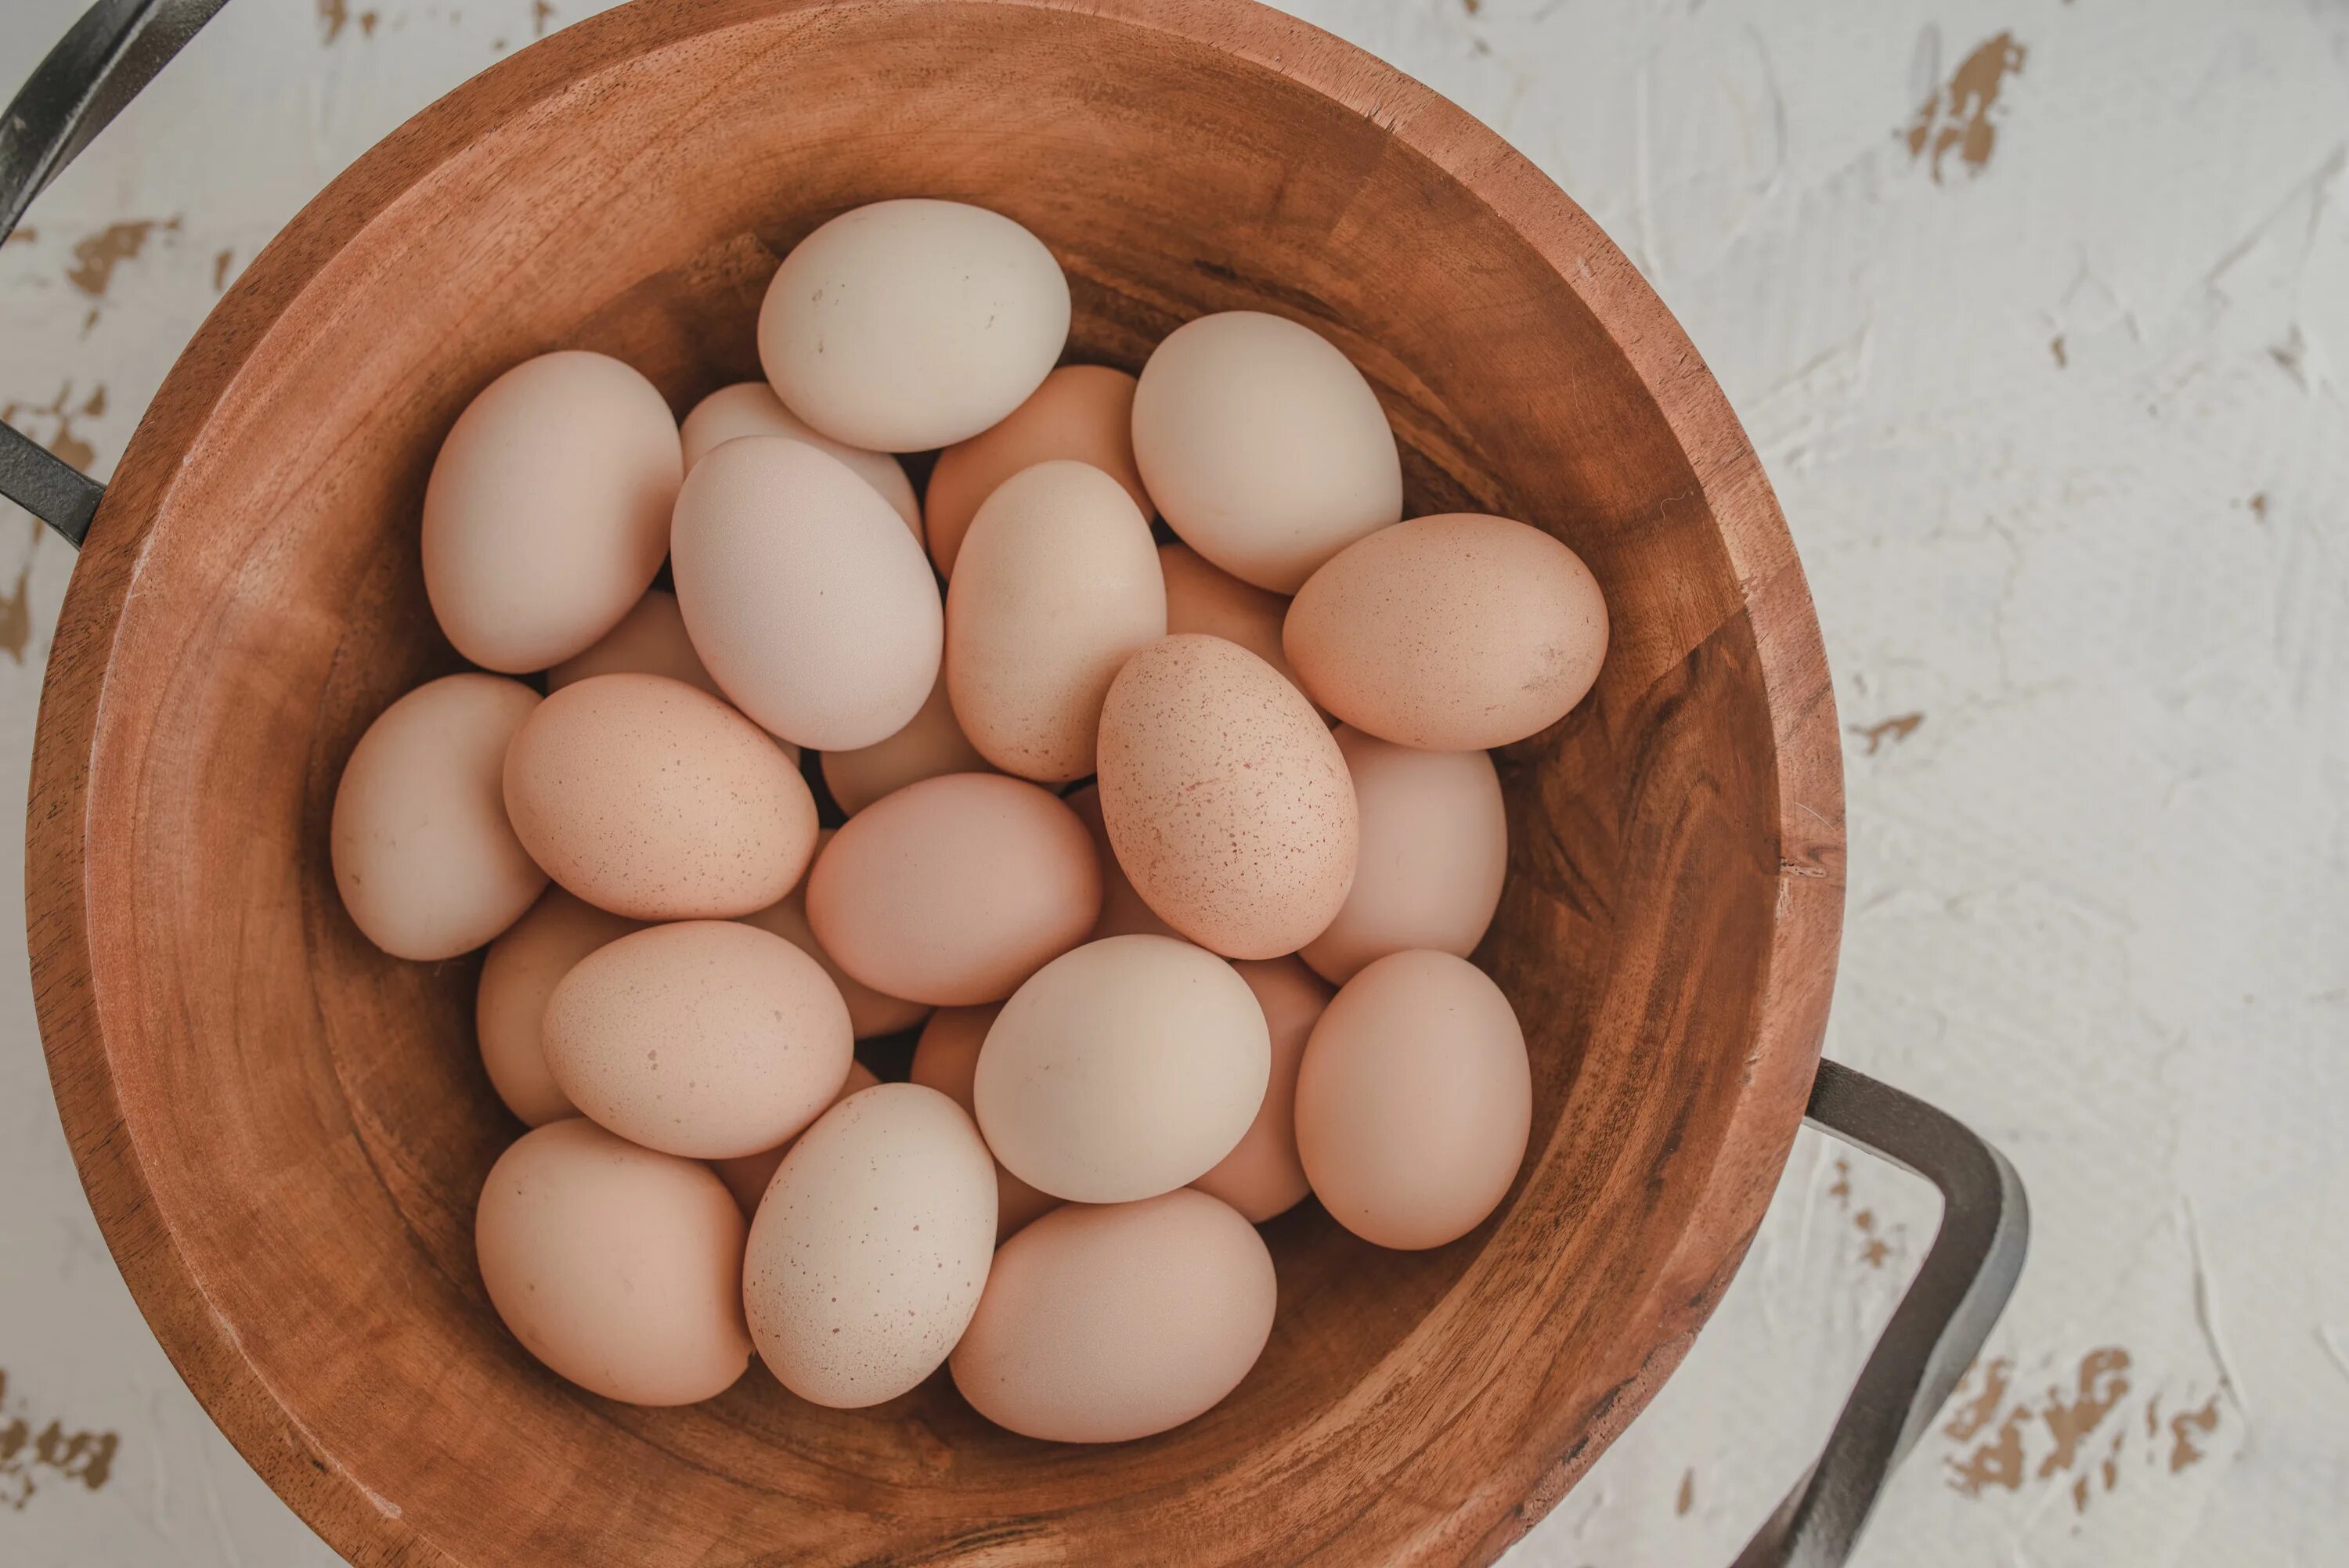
(287, 1131)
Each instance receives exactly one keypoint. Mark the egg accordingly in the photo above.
(751, 409)
(517, 976)
(913, 324)
(650, 640)
(1057, 586)
(871, 1247)
(1105, 1324)
(547, 511)
(813, 608)
(1225, 798)
(1455, 633)
(870, 1013)
(424, 855)
(1414, 1101)
(1434, 852)
(655, 800)
(1203, 599)
(1264, 447)
(1083, 412)
(747, 1175)
(619, 1267)
(953, 890)
(707, 1038)
(947, 1059)
(1262, 1176)
(1123, 1069)
(1122, 912)
(931, 744)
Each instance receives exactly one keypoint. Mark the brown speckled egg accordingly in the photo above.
(1058, 583)
(1083, 412)
(1122, 912)
(1262, 1177)
(931, 744)
(870, 1013)
(871, 1247)
(425, 857)
(547, 512)
(706, 1038)
(619, 1267)
(1206, 599)
(1455, 633)
(1225, 798)
(747, 1175)
(953, 890)
(751, 409)
(1101, 1324)
(947, 1059)
(1414, 1101)
(653, 799)
(517, 976)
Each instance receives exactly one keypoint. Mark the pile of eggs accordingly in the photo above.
(1179, 952)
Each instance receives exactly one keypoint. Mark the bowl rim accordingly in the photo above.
(1788, 1012)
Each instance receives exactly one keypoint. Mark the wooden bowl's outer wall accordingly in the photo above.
(284, 1132)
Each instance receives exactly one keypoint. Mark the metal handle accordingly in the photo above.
(1935, 1332)
(112, 52)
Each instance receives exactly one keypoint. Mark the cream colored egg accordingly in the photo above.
(947, 1059)
(1264, 447)
(1123, 1069)
(747, 1175)
(1123, 913)
(813, 608)
(1415, 1100)
(1262, 1176)
(1455, 633)
(751, 409)
(870, 1013)
(1203, 598)
(914, 323)
(425, 857)
(1435, 850)
(1083, 412)
(930, 744)
(1101, 1325)
(619, 1268)
(871, 1247)
(954, 890)
(1057, 586)
(547, 512)
(517, 976)
(655, 800)
(1225, 798)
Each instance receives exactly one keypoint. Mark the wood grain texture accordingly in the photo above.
(283, 1132)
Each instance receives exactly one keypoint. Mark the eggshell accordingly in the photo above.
(1123, 913)
(947, 1059)
(547, 512)
(619, 1267)
(1083, 412)
(913, 324)
(707, 1037)
(747, 1175)
(1057, 585)
(426, 859)
(650, 640)
(932, 744)
(871, 1247)
(517, 976)
(1435, 850)
(953, 890)
(1455, 633)
(1203, 598)
(751, 409)
(813, 608)
(1264, 447)
(1225, 798)
(870, 1013)
(1262, 1177)
(1123, 1069)
(1101, 1324)
(1414, 1101)
(652, 799)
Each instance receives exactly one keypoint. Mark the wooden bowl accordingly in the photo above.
(283, 1132)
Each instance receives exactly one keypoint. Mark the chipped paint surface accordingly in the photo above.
(2036, 314)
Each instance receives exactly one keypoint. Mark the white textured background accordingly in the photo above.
(2037, 310)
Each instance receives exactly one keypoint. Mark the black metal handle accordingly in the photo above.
(112, 52)
(1935, 1332)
